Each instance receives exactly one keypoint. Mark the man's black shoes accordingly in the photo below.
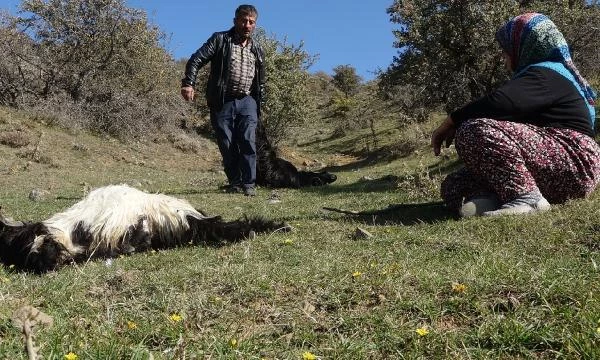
(237, 189)
(233, 189)
(250, 191)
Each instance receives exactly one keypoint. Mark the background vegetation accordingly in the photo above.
(100, 65)
(89, 97)
(450, 56)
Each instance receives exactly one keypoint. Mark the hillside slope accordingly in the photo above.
(412, 283)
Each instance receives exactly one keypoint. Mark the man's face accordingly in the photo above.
(245, 25)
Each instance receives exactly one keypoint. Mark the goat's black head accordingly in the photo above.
(308, 178)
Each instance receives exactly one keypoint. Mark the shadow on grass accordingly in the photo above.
(191, 191)
(367, 185)
(445, 167)
(318, 140)
(384, 155)
(401, 214)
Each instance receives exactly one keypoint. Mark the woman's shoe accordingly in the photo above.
(524, 204)
(478, 205)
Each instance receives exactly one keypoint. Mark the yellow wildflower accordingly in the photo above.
(287, 242)
(233, 343)
(356, 274)
(175, 317)
(307, 355)
(71, 356)
(422, 331)
(131, 325)
(458, 287)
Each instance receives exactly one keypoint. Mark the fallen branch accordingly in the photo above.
(26, 319)
(389, 209)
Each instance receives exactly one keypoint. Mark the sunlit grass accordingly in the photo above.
(424, 286)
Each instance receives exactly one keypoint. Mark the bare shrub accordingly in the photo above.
(15, 138)
(419, 183)
(58, 110)
(89, 64)
(185, 143)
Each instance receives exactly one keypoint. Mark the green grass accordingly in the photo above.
(532, 283)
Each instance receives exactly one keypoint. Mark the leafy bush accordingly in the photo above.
(287, 103)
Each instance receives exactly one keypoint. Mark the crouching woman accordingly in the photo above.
(531, 142)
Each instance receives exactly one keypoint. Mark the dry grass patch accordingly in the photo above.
(15, 138)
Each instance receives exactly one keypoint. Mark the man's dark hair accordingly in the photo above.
(246, 10)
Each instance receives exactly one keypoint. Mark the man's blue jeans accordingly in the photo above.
(235, 128)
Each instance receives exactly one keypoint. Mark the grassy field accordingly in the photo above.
(425, 285)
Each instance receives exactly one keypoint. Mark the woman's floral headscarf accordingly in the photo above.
(533, 38)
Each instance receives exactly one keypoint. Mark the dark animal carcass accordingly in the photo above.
(272, 171)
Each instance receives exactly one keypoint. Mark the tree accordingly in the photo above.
(352, 103)
(17, 63)
(447, 51)
(346, 79)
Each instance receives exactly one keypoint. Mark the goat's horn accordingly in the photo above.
(8, 221)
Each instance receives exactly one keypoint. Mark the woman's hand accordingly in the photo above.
(444, 133)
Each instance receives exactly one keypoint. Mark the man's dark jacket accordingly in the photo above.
(217, 51)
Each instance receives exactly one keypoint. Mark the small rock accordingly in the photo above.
(37, 195)
(274, 198)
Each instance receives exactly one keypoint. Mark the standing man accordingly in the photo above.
(234, 91)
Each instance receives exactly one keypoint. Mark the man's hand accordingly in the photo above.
(444, 133)
(188, 93)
